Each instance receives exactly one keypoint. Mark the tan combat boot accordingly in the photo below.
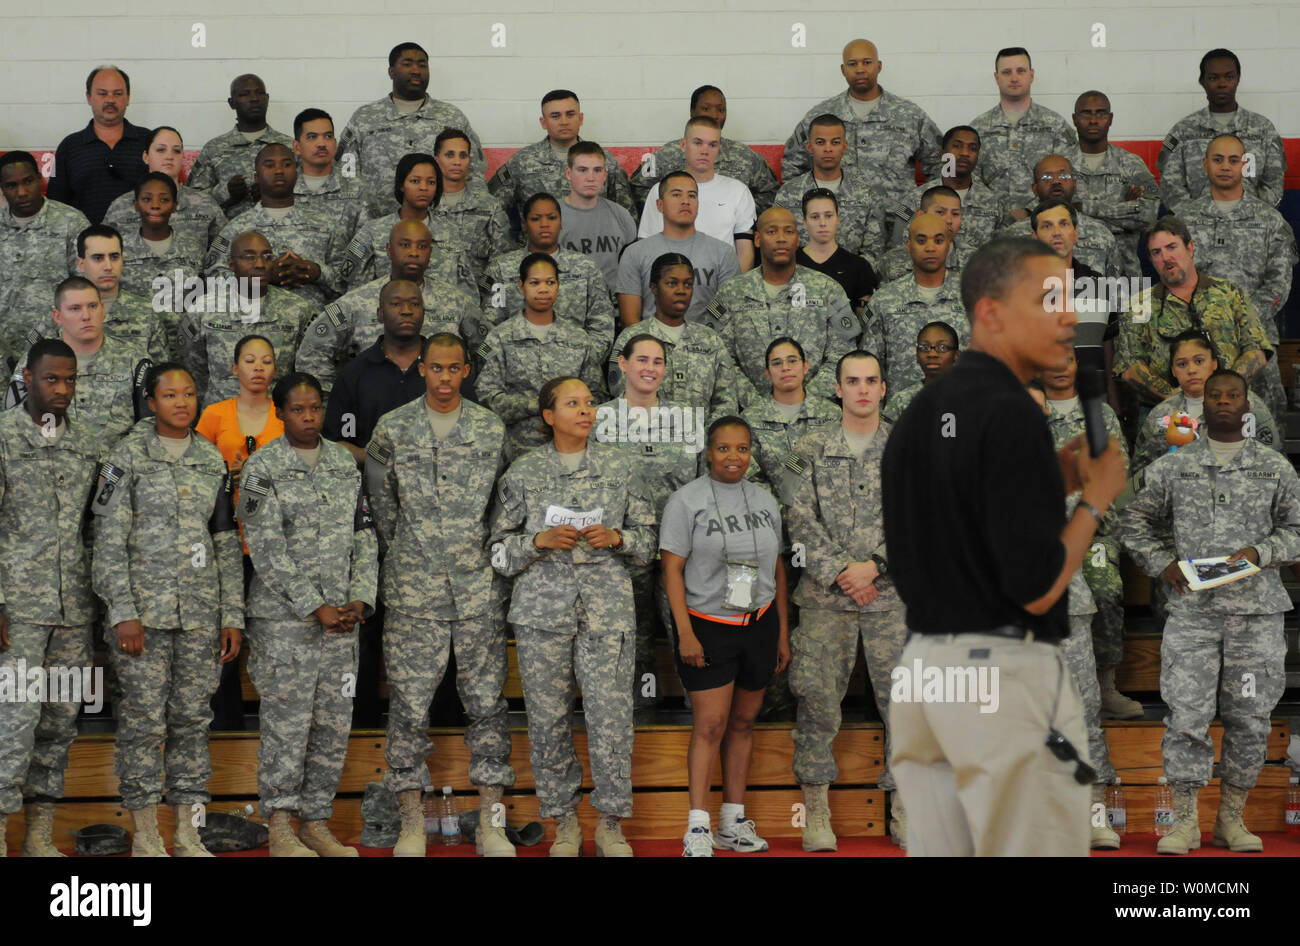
(1229, 831)
(40, 824)
(284, 843)
(817, 832)
(568, 836)
(145, 839)
(316, 835)
(490, 840)
(1114, 704)
(609, 837)
(1185, 835)
(1104, 837)
(185, 840)
(898, 819)
(411, 842)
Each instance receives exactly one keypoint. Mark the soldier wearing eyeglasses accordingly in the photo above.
(937, 347)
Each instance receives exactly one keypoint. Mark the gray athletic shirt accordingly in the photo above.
(714, 263)
(692, 528)
(600, 233)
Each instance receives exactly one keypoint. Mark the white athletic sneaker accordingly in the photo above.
(697, 843)
(739, 836)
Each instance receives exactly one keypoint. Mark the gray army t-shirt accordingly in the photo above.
(705, 533)
(714, 263)
(600, 233)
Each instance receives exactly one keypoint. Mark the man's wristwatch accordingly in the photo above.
(882, 566)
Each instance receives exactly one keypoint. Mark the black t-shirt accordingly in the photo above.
(974, 504)
(849, 270)
(368, 387)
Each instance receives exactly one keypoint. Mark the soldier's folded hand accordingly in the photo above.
(329, 617)
(1174, 575)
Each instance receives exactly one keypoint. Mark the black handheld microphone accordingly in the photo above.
(1091, 385)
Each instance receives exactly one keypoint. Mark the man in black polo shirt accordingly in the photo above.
(973, 494)
(104, 159)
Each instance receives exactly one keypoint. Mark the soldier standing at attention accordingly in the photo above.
(405, 120)
(563, 513)
(225, 168)
(312, 542)
(47, 472)
(431, 468)
(176, 619)
(321, 182)
(1222, 495)
(479, 224)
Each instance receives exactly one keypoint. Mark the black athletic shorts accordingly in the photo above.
(744, 655)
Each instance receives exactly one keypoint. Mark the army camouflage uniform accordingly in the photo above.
(157, 520)
(703, 374)
(864, 225)
(1219, 308)
(735, 159)
(1105, 586)
(1151, 443)
(226, 156)
(208, 338)
(1096, 247)
(141, 266)
(583, 298)
(1100, 196)
(377, 136)
(885, 146)
(774, 438)
(478, 225)
(367, 254)
(896, 403)
(197, 217)
(341, 196)
(37, 257)
(894, 318)
(350, 324)
(312, 542)
(537, 169)
(573, 617)
(45, 487)
(897, 262)
(130, 319)
(1182, 173)
(1009, 151)
(311, 232)
(983, 212)
(430, 498)
(516, 365)
(811, 308)
(1228, 639)
(836, 514)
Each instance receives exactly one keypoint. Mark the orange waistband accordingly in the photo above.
(739, 621)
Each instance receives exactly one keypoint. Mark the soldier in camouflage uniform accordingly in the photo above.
(698, 371)
(539, 168)
(431, 467)
(208, 333)
(835, 517)
(527, 350)
(735, 158)
(1113, 185)
(943, 202)
(406, 120)
(225, 168)
(478, 222)
(900, 309)
(349, 325)
(143, 262)
(167, 566)
(37, 253)
(197, 217)
(807, 306)
(864, 226)
(1186, 299)
(572, 609)
(312, 542)
(328, 186)
(1242, 239)
(47, 471)
(983, 210)
(937, 348)
(584, 298)
(1010, 146)
(887, 135)
(1182, 172)
(1222, 495)
(309, 242)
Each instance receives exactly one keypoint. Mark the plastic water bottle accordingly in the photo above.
(449, 814)
(1164, 808)
(1293, 806)
(1116, 812)
(430, 803)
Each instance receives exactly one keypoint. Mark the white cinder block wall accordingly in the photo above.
(633, 62)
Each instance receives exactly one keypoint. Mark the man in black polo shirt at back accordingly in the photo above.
(973, 494)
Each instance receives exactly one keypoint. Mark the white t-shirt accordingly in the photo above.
(726, 208)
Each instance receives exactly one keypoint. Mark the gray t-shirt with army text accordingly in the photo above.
(714, 263)
(600, 233)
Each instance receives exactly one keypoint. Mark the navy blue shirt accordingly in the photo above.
(368, 387)
(88, 174)
(974, 504)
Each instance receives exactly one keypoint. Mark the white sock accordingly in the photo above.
(731, 813)
(698, 818)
